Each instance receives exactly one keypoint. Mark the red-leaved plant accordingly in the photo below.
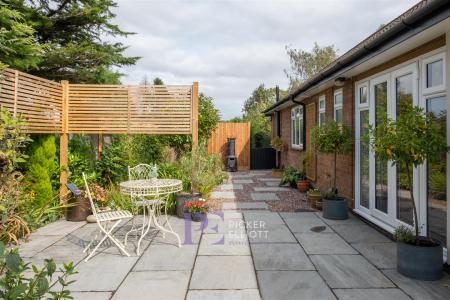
(195, 206)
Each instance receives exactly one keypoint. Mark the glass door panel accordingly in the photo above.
(381, 167)
(364, 159)
(404, 97)
(436, 177)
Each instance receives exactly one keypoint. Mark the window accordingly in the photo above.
(321, 110)
(297, 127)
(363, 95)
(338, 106)
(434, 73)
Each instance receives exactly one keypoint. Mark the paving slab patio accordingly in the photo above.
(264, 254)
(264, 196)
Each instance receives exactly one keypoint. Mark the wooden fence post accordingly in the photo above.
(64, 141)
(16, 88)
(194, 115)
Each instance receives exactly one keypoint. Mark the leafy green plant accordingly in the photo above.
(404, 234)
(42, 283)
(332, 138)
(201, 171)
(290, 176)
(408, 142)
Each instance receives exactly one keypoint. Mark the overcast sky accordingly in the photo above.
(230, 47)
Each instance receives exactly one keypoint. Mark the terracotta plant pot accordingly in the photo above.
(277, 173)
(303, 185)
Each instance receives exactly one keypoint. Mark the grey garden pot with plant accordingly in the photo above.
(335, 208)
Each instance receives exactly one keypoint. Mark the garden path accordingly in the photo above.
(248, 255)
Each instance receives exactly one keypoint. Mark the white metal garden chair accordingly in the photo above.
(103, 220)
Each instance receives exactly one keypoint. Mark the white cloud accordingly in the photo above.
(230, 47)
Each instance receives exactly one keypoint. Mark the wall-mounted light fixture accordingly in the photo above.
(340, 81)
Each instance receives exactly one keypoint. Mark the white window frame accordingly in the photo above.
(322, 110)
(360, 105)
(435, 89)
(338, 106)
(294, 110)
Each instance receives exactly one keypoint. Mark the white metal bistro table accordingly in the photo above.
(158, 190)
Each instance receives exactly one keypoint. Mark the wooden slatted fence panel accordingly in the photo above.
(218, 141)
(38, 100)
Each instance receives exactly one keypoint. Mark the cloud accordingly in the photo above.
(230, 47)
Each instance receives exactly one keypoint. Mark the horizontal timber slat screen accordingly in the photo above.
(64, 108)
(218, 142)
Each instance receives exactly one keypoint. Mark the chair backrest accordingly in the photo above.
(141, 171)
(88, 192)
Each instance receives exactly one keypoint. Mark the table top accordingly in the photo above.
(149, 187)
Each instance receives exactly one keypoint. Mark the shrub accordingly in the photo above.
(201, 171)
(15, 283)
(404, 234)
(290, 176)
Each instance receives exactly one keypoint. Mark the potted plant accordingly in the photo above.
(277, 144)
(200, 172)
(408, 142)
(333, 138)
(303, 183)
(99, 196)
(290, 176)
(197, 209)
(315, 198)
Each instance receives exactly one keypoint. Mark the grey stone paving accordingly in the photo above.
(242, 181)
(263, 255)
(271, 189)
(244, 205)
(231, 186)
(264, 196)
(272, 183)
(223, 195)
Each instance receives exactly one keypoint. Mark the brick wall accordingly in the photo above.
(320, 167)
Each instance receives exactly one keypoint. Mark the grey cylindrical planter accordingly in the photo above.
(182, 198)
(420, 262)
(335, 209)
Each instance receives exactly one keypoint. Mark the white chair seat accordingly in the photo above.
(113, 215)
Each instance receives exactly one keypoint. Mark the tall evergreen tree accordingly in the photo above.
(73, 32)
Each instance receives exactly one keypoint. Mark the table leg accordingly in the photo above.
(164, 230)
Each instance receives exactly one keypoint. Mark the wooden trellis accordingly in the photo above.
(64, 108)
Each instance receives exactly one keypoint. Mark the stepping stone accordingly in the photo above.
(250, 294)
(372, 294)
(223, 273)
(360, 233)
(224, 244)
(167, 258)
(272, 257)
(161, 284)
(243, 181)
(419, 289)
(269, 179)
(293, 285)
(349, 271)
(241, 176)
(223, 195)
(382, 255)
(272, 183)
(324, 243)
(231, 187)
(264, 196)
(272, 189)
(244, 205)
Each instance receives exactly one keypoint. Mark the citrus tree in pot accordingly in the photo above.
(333, 138)
(407, 142)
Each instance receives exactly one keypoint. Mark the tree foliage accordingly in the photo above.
(332, 138)
(306, 64)
(260, 126)
(18, 48)
(407, 142)
(73, 33)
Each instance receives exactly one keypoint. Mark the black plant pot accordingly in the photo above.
(182, 198)
(420, 262)
(335, 209)
(198, 216)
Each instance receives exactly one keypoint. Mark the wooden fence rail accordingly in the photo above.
(64, 108)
